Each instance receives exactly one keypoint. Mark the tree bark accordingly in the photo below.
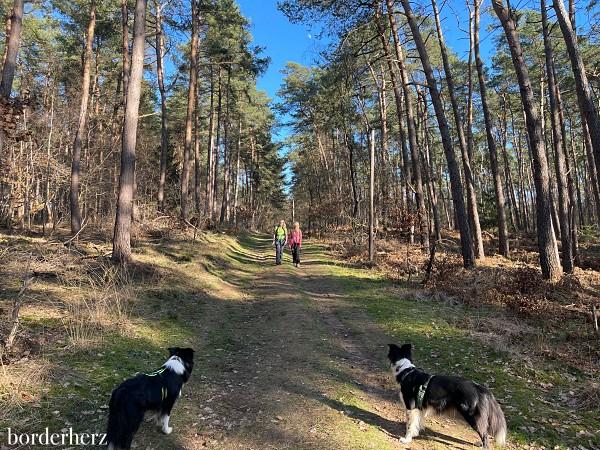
(197, 162)
(548, 250)
(122, 235)
(417, 173)
(503, 247)
(237, 174)
(429, 172)
(468, 173)
(80, 133)
(125, 47)
(189, 121)
(349, 141)
(224, 216)
(211, 147)
(13, 43)
(457, 190)
(560, 150)
(216, 150)
(585, 97)
(372, 195)
(164, 131)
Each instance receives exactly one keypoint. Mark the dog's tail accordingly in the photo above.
(497, 422)
(123, 421)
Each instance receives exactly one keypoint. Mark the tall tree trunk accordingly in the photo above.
(372, 195)
(80, 133)
(349, 141)
(13, 42)
(576, 175)
(411, 129)
(384, 187)
(457, 190)
(469, 183)
(197, 162)
(549, 260)
(503, 247)
(237, 174)
(189, 121)
(122, 235)
(429, 172)
(510, 186)
(47, 212)
(591, 160)
(560, 150)
(226, 155)
(215, 164)
(164, 131)
(211, 146)
(125, 47)
(585, 97)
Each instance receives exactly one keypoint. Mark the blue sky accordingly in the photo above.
(283, 40)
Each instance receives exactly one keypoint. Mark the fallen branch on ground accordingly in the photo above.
(67, 242)
(10, 339)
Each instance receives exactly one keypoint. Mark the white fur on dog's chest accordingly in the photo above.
(401, 365)
(174, 363)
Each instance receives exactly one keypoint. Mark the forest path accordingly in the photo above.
(286, 359)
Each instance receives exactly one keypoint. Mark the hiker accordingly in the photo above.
(279, 240)
(295, 243)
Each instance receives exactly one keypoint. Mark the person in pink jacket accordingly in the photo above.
(295, 243)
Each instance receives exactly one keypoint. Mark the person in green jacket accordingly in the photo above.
(279, 240)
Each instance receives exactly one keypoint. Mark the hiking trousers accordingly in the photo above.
(296, 253)
(279, 244)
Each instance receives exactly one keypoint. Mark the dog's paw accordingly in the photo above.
(167, 430)
(405, 440)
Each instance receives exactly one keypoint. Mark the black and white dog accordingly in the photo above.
(154, 393)
(422, 394)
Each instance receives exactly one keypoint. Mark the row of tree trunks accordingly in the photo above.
(468, 173)
(587, 106)
(164, 131)
(455, 181)
(503, 247)
(548, 249)
(559, 150)
(417, 177)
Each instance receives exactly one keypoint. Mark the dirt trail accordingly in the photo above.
(291, 363)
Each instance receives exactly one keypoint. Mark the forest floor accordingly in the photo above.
(286, 358)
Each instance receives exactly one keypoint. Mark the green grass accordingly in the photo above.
(535, 415)
(169, 305)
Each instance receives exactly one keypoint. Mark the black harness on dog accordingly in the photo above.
(422, 388)
(421, 392)
(159, 372)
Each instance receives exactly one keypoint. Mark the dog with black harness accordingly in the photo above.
(153, 393)
(423, 394)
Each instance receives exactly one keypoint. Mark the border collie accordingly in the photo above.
(422, 394)
(154, 393)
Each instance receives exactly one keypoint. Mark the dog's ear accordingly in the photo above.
(172, 351)
(187, 353)
(394, 352)
(406, 351)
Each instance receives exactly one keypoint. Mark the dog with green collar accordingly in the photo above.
(422, 394)
(152, 393)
